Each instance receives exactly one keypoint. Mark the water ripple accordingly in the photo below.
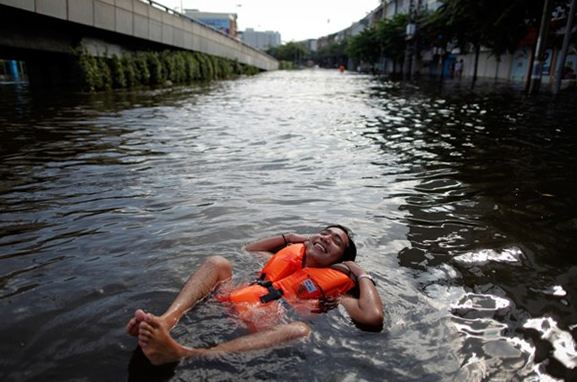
(462, 201)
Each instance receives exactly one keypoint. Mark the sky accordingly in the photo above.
(295, 20)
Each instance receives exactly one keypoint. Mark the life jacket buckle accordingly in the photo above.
(273, 293)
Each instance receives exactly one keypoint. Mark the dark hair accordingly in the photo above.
(350, 253)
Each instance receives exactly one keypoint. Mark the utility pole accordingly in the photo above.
(564, 48)
(416, 52)
(410, 40)
(540, 49)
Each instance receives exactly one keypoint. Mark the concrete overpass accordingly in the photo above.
(44, 32)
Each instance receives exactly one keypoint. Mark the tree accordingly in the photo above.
(386, 38)
(498, 26)
(391, 34)
(332, 54)
(365, 47)
(292, 51)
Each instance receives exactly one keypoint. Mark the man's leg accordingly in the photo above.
(214, 270)
(160, 348)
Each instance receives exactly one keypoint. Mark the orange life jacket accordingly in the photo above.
(284, 276)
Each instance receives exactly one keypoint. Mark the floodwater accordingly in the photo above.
(463, 202)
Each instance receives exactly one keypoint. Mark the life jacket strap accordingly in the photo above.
(273, 293)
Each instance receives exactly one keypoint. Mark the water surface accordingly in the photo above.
(462, 201)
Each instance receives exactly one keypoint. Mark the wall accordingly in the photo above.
(139, 19)
(488, 67)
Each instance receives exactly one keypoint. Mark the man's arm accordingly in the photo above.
(273, 244)
(366, 310)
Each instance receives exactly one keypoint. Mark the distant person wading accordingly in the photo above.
(459, 69)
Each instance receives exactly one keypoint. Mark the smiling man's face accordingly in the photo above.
(326, 247)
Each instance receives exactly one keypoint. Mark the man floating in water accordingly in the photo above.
(317, 272)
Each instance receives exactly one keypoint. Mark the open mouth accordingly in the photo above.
(320, 247)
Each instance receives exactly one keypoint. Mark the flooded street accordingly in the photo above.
(463, 204)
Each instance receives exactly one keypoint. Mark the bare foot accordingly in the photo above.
(133, 324)
(157, 344)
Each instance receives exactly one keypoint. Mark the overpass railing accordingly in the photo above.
(173, 12)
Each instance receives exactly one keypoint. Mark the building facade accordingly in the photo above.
(441, 60)
(261, 40)
(224, 22)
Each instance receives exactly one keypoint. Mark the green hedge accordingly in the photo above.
(155, 69)
(287, 65)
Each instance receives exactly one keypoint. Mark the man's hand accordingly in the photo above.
(349, 268)
(355, 269)
(295, 238)
(326, 304)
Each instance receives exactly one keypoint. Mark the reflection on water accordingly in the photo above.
(462, 202)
